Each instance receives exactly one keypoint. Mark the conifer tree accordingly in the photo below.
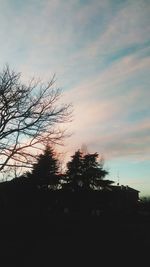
(74, 171)
(45, 171)
(86, 172)
(93, 172)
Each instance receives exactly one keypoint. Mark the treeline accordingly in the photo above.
(47, 191)
(83, 172)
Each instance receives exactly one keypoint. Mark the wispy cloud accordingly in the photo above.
(100, 52)
(111, 112)
(130, 26)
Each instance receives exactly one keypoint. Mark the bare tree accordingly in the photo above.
(30, 117)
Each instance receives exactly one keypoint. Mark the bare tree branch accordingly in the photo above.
(30, 116)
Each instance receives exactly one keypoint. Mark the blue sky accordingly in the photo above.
(100, 52)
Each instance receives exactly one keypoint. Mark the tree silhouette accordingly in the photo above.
(46, 171)
(29, 116)
(74, 171)
(84, 171)
(94, 173)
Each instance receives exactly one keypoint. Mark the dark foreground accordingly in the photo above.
(61, 240)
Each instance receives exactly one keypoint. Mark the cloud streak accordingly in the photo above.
(100, 52)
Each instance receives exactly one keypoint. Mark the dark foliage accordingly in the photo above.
(86, 172)
(74, 171)
(45, 172)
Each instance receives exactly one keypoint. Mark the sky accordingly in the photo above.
(100, 53)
